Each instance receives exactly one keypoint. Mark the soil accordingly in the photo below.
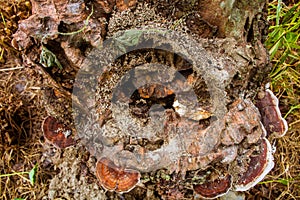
(34, 87)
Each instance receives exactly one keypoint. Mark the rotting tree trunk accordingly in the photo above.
(229, 33)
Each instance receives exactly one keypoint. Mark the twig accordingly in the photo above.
(13, 174)
(10, 69)
(3, 20)
(295, 122)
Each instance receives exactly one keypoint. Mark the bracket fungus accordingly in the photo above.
(56, 133)
(259, 166)
(215, 188)
(114, 178)
(268, 106)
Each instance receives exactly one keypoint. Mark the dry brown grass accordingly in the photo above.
(20, 113)
(20, 146)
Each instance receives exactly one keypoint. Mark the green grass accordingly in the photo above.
(31, 173)
(284, 47)
(283, 44)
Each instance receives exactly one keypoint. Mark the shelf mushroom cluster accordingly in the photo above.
(261, 163)
(238, 142)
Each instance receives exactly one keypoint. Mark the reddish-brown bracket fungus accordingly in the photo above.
(259, 166)
(214, 189)
(115, 178)
(271, 115)
(56, 133)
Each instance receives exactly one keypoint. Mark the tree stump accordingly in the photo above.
(164, 91)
